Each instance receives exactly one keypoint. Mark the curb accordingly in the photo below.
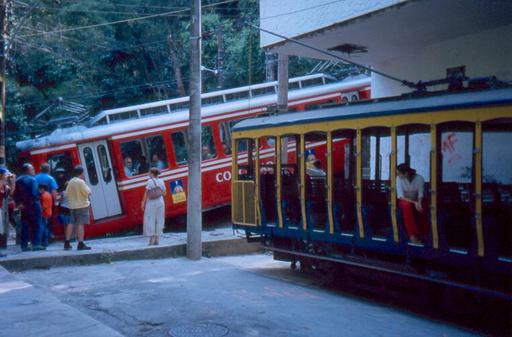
(210, 249)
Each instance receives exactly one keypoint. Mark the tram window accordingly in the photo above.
(354, 98)
(290, 181)
(179, 106)
(208, 150)
(133, 157)
(153, 111)
(375, 154)
(455, 201)
(90, 166)
(225, 138)
(413, 148)
(212, 100)
(293, 86)
(61, 161)
(316, 179)
(179, 142)
(263, 91)
(245, 159)
(235, 96)
(312, 82)
(157, 153)
(497, 186)
(343, 173)
(106, 170)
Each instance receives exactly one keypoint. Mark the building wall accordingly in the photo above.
(484, 54)
(295, 17)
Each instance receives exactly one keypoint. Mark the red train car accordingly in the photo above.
(118, 146)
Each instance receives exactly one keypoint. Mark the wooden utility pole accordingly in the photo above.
(194, 209)
(176, 67)
(4, 228)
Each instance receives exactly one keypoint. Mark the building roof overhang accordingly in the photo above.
(407, 26)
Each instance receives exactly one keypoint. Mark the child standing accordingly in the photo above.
(46, 206)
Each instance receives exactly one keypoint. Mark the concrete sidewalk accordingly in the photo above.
(216, 242)
(36, 312)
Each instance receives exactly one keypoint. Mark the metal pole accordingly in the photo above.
(194, 214)
(4, 229)
(282, 83)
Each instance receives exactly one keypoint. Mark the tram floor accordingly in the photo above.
(248, 295)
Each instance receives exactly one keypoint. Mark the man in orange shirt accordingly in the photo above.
(46, 206)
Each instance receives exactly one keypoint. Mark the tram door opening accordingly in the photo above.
(497, 186)
(290, 182)
(316, 180)
(455, 197)
(343, 174)
(268, 201)
(100, 178)
(376, 181)
(244, 206)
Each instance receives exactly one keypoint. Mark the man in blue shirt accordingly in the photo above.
(27, 199)
(44, 178)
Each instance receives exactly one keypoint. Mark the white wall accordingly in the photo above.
(484, 54)
(295, 17)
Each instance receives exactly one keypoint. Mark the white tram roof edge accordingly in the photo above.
(81, 133)
(394, 105)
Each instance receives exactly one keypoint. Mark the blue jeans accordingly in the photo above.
(46, 232)
(31, 221)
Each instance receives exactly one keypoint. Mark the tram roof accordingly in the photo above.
(81, 133)
(391, 106)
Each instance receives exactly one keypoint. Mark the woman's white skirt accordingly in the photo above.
(154, 217)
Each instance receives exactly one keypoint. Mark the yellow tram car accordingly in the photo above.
(460, 143)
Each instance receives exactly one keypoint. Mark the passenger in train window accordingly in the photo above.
(143, 166)
(316, 169)
(411, 201)
(129, 168)
(225, 149)
(206, 154)
(157, 162)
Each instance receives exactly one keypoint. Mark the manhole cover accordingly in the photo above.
(199, 330)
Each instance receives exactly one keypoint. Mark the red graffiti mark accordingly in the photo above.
(449, 143)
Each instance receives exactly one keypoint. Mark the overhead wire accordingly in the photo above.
(110, 23)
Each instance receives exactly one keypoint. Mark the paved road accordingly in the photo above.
(251, 295)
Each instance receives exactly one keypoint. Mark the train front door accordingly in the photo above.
(100, 178)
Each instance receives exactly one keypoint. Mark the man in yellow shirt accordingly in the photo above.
(78, 194)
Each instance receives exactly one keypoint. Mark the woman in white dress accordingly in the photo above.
(153, 206)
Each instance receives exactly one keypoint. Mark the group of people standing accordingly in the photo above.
(37, 196)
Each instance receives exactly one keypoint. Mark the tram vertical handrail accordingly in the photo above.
(433, 186)
(478, 188)
(278, 181)
(257, 183)
(329, 182)
(302, 172)
(234, 176)
(359, 182)
(392, 188)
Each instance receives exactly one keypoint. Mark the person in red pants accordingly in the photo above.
(411, 201)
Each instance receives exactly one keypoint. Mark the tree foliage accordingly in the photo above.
(121, 64)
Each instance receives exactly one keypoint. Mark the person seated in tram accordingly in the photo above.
(206, 154)
(225, 149)
(316, 169)
(411, 201)
(157, 162)
(143, 166)
(129, 168)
